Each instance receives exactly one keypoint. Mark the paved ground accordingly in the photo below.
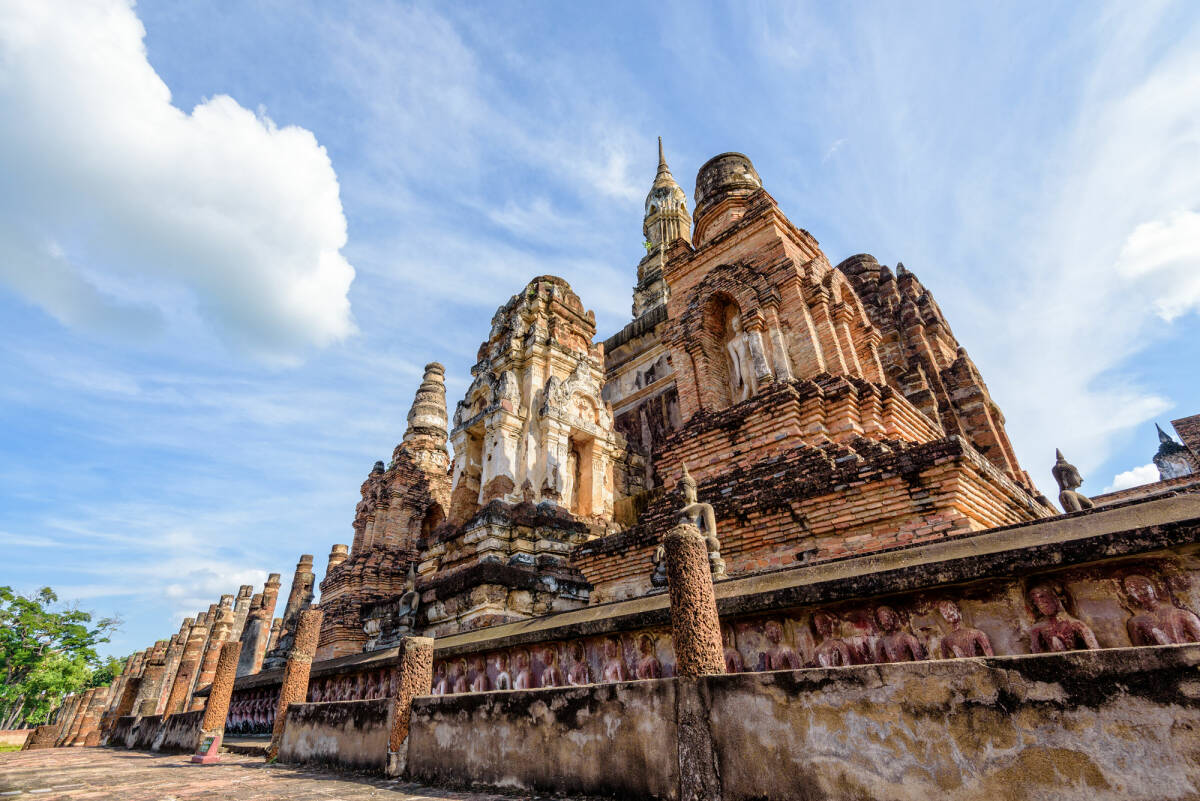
(104, 773)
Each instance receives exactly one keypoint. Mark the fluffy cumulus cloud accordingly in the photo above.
(1145, 474)
(122, 213)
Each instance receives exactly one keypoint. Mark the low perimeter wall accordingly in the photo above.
(347, 735)
(179, 733)
(1087, 725)
(14, 736)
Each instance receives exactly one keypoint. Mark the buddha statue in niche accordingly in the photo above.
(503, 679)
(961, 641)
(778, 655)
(579, 673)
(648, 666)
(1056, 631)
(552, 675)
(895, 645)
(658, 578)
(614, 664)
(458, 673)
(524, 677)
(410, 602)
(833, 651)
(480, 683)
(733, 657)
(742, 381)
(439, 679)
(1160, 622)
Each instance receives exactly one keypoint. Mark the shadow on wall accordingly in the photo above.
(1055, 725)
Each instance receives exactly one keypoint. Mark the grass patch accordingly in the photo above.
(4, 748)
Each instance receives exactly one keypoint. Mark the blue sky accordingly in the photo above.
(232, 233)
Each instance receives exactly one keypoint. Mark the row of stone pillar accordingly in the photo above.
(161, 679)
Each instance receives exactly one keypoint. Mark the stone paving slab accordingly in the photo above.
(105, 773)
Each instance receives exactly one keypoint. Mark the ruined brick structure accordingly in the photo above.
(851, 501)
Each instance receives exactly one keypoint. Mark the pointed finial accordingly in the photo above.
(1058, 455)
(1163, 436)
(664, 172)
(686, 478)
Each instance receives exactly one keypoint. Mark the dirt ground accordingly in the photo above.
(103, 773)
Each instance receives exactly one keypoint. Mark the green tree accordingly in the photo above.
(46, 654)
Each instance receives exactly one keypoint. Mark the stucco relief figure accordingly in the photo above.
(410, 601)
(458, 674)
(524, 679)
(833, 651)
(659, 577)
(702, 516)
(743, 383)
(648, 666)
(614, 664)
(439, 679)
(1057, 630)
(579, 674)
(778, 655)
(1161, 622)
(961, 641)
(1069, 481)
(552, 675)
(896, 645)
(503, 679)
(480, 683)
(733, 657)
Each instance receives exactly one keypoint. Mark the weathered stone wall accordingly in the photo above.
(1117, 724)
(143, 732)
(348, 735)
(1081, 725)
(613, 739)
(122, 731)
(179, 733)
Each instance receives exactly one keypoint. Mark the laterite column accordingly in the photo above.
(695, 627)
(212, 728)
(696, 630)
(416, 678)
(294, 688)
(152, 681)
(189, 665)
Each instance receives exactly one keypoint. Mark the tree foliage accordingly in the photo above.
(46, 654)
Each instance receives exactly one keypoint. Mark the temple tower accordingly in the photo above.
(1172, 459)
(666, 221)
(533, 425)
(402, 504)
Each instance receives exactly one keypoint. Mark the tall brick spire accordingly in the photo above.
(425, 437)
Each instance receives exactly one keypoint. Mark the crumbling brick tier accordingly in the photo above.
(808, 504)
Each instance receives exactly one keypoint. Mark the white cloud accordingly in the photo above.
(1145, 474)
(1164, 255)
(122, 213)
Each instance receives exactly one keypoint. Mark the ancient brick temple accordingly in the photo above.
(817, 434)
